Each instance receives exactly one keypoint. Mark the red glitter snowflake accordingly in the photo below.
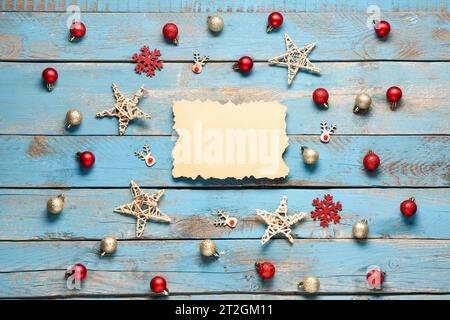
(147, 61)
(326, 210)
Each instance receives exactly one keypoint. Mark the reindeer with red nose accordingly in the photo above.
(199, 62)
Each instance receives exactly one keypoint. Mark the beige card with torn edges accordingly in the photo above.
(222, 141)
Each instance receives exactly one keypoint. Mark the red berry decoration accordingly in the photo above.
(170, 32)
(393, 95)
(266, 270)
(375, 278)
(78, 270)
(159, 285)
(371, 161)
(382, 28)
(77, 30)
(49, 76)
(320, 97)
(86, 158)
(408, 207)
(274, 21)
(245, 64)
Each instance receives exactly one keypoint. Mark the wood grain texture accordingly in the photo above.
(37, 268)
(31, 109)
(41, 161)
(89, 214)
(339, 36)
(174, 6)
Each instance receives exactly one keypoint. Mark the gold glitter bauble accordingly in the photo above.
(310, 284)
(208, 248)
(108, 245)
(55, 204)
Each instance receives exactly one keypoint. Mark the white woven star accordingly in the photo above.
(295, 58)
(143, 207)
(278, 221)
(125, 109)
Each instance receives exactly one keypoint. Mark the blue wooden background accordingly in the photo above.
(37, 154)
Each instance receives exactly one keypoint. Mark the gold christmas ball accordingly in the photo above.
(55, 204)
(208, 248)
(310, 155)
(108, 245)
(362, 102)
(310, 284)
(215, 23)
(360, 229)
(73, 118)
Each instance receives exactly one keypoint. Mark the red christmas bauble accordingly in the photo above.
(320, 97)
(86, 158)
(371, 161)
(245, 64)
(159, 285)
(49, 76)
(266, 270)
(393, 95)
(408, 207)
(77, 30)
(170, 32)
(382, 28)
(79, 271)
(375, 278)
(275, 20)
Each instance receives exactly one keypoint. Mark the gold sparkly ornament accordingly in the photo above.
(310, 155)
(55, 204)
(295, 58)
(360, 229)
(73, 118)
(215, 23)
(225, 220)
(278, 221)
(108, 245)
(125, 110)
(143, 207)
(310, 284)
(208, 248)
(362, 103)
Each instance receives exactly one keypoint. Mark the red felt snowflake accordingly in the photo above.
(147, 61)
(326, 210)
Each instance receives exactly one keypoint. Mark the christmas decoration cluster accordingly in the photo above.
(144, 207)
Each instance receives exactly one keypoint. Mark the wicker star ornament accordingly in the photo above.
(143, 207)
(125, 109)
(279, 222)
(295, 58)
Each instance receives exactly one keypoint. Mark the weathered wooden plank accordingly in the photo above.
(89, 214)
(27, 108)
(339, 36)
(41, 161)
(161, 6)
(37, 268)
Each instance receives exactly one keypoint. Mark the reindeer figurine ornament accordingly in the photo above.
(199, 62)
(225, 220)
(146, 156)
(326, 131)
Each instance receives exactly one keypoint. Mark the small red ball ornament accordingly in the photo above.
(86, 158)
(275, 20)
(320, 97)
(382, 28)
(375, 278)
(78, 271)
(245, 64)
(266, 270)
(170, 32)
(371, 161)
(77, 30)
(393, 95)
(159, 285)
(49, 76)
(408, 207)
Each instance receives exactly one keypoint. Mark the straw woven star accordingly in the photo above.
(279, 222)
(143, 207)
(295, 58)
(125, 109)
